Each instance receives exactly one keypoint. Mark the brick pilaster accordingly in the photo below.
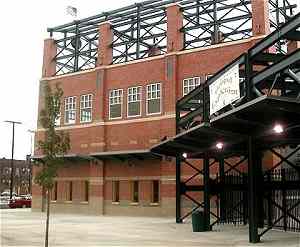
(260, 17)
(104, 47)
(49, 63)
(174, 24)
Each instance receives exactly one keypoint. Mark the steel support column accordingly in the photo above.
(222, 181)
(252, 192)
(178, 189)
(206, 194)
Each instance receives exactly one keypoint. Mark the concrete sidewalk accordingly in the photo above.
(21, 227)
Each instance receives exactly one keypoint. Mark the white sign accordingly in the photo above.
(224, 90)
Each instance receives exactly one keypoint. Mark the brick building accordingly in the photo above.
(22, 176)
(123, 103)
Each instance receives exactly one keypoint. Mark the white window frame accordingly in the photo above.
(156, 97)
(112, 97)
(67, 104)
(209, 76)
(134, 101)
(83, 100)
(57, 121)
(189, 86)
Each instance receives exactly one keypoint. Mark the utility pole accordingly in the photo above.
(12, 156)
(31, 132)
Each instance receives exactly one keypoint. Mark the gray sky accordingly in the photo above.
(23, 26)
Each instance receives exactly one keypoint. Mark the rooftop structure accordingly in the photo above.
(140, 30)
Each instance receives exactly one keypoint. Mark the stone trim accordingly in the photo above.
(102, 123)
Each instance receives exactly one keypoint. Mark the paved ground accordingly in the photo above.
(21, 227)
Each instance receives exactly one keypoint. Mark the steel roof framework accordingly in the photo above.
(139, 30)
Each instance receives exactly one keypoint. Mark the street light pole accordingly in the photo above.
(12, 156)
(29, 160)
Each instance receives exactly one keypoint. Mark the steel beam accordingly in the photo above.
(206, 194)
(277, 67)
(178, 189)
(271, 39)
(252, 192)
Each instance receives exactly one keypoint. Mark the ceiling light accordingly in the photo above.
(278, 128)
(219, 145)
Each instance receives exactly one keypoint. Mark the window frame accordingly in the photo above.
(188, 86)
(86, 195)
(160, 98)
(121, 103)
(91, 107)
(75, 109)
(53, 196)
(152, 192)
(140, 100)
(57, 121)
(70, 191)
(133, 192)
(114, 194)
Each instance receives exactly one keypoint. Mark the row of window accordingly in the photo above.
(135, 191)
(85, 109)
(134, 102)
(68, 191)
(134, 188)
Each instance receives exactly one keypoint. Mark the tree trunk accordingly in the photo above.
(47, 220)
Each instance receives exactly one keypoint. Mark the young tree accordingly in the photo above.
(54, 145)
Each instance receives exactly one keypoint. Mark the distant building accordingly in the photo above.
(22, 176)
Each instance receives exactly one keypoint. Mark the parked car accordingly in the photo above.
(7, 194)
(20, 202)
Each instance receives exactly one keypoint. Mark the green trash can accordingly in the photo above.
(198, 221)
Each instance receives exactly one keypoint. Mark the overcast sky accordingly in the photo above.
(23, 27)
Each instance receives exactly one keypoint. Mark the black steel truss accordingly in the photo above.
(261, 73)
(211, 22)
(140, 30)
(252, 187)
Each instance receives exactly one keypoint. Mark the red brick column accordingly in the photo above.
(96, 187)
(174, 24)
(260, 17)
(105, 41)
(49, 63)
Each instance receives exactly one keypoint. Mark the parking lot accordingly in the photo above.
(21, 227)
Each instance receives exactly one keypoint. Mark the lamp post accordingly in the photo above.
(29, 158)
(12, 156)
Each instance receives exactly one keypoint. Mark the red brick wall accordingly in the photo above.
(135, 133)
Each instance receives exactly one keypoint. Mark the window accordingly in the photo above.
(54, 192)
(70, 191)
(57, 119)
(134, 101)
(155, 191)
(86, 108)
(135, 191)
(115, 103)
(86, 191)
(153, 98)
(190, 84)
(70, 110)
(116, 191)
(209, 76)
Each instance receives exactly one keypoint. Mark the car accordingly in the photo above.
(20, 202)
(7, 194)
